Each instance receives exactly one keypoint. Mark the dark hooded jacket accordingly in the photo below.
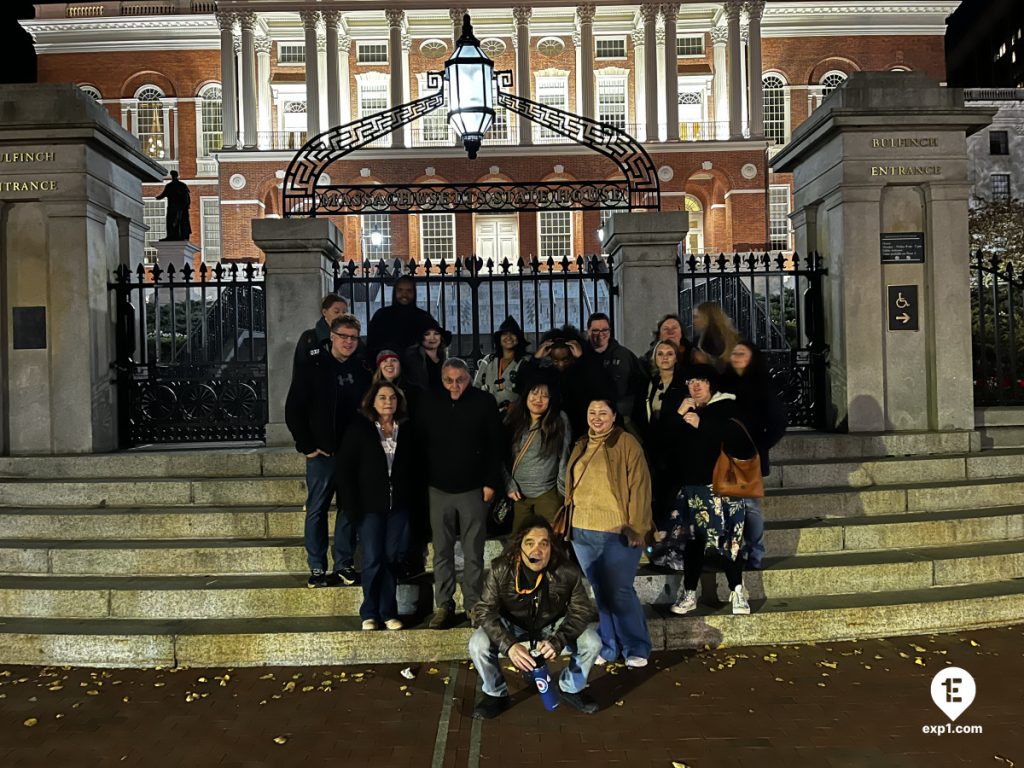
(397, 327)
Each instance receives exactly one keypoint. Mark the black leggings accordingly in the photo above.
(693, 564)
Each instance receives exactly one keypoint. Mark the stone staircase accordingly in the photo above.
(195, 557)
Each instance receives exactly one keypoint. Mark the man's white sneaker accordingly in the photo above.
(636, 662)
(738, 598)
(369, 625)
(687, 602)
(600, 660)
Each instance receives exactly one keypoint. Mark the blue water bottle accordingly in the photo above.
(542, 679)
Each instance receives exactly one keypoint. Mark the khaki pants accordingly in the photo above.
(546, 505)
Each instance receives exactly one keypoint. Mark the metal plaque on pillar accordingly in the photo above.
(29, 327)
(904, 309)
(902, 247)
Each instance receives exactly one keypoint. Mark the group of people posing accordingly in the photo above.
(597, 449)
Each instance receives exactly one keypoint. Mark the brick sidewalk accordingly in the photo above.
(835, 705)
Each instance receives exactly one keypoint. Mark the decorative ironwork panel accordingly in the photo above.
(997, 324)
(191, 354)
(775, 302)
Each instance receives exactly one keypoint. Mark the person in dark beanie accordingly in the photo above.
(326, 392)
(401, 325)
(422, 361)
(331, 307)
(498, 371)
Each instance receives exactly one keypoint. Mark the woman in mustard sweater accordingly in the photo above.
(608, 490)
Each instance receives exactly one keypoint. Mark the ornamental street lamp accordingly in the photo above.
(469, 78)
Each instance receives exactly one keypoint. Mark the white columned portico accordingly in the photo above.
(669, 13)
(649, 14)
(247, 24)
(522, 15)
(585, 14)
(309, 22)
(719, 37)
(639, 85)
(733, 9)
(396, 23)
(264, 99)
(754, 10)
(332, 20)
(321, 62)
(229, 94)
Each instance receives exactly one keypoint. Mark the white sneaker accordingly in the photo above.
(636, 662)
(738, 598)
(600, 660)
(369, 624)
(687, 602)
(393, 624)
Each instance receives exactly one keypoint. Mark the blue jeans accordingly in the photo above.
(610, 565)
(383, 537)
(753, 531)
(583, 652)
(320, 483)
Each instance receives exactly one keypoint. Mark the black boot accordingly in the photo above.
(489, 707)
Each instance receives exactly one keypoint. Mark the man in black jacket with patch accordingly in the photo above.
(327, 388)
(534, 604)
(461, 443)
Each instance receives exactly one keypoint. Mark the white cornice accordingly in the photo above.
(164, 33)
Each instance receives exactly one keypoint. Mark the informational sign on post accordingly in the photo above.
(902, 248)
(904, 310)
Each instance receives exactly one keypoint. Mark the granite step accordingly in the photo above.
(338, 640)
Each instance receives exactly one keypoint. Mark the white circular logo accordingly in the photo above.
(237, 181)
(953, 691)
(542, 684)
(748, 171)
(665, 173)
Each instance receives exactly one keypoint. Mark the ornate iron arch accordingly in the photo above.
(302, 196)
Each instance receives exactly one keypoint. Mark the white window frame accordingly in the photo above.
(205, 144)
(554, 235)
(432, 245)
(92, 90)
(780, 230)
(154, 216)
(375, 222)
(379, 83)
(690, 39)
(1001, 197)
(785, 90)
(434, 130)
(368, 51)
(604, 57)
(287, 51)
(551, 82)
(212, 252)
(612, 79)
(161, 136)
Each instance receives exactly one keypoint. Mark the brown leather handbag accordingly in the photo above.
(738, 478)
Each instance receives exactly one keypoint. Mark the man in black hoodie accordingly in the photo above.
(461, 443)
(327, 388)
(401, 325)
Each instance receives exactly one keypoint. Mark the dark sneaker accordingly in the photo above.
(581, 701)
(442, 618)
(317, 578)
(347, 576)
(332, 579)
(489, 707)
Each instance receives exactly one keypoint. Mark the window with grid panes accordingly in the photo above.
(372, 53)
(212, 119)
(437, 236)
(376, 236)
(690, 45)
(154, 216)
(434, 125)
(1000, 187)
(611, 100)
(149, 123)
(209, 221)
(610, 48)
(774, 108)
(373, 96)
(554, 92)
(998, 142)
(831, 81)
(555, 229)
(778, 218)
(291, 53)
(93, 92)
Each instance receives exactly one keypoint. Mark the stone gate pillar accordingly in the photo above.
(880, 180)
(298, 275)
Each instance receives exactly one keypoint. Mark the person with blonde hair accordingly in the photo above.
(716, 335)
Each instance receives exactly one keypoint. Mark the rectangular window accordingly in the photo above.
(376, 236)
(372, 53)
(778, 224)
(154, 216)
(1000, 187)
(691, 45)
(437, 236)
(373, 98)
(611, 100)
(291, 53)
(553, 91)
(555, 228)
(610, 48)
(212, 123)
(998, 143)
(433, 126)
(209, 221)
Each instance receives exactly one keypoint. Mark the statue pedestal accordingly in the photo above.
(176, 252)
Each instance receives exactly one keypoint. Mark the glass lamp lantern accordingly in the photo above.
(469, 78)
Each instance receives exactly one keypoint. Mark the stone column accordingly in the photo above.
(240, 115)
(170, 151)
(298, 259)
(669, 13)
(229, 97)
(321, 62)
(754, 10)
(649, 13)
(332, 20)
(406, 93)
(309, 22)
(456, 14)
(585, 14)
(733, 9)
(247, 22)
(264, 99)
(639, 85)
(345, 45)
(719, 36)
(522, 14)
(643, 248)
(745, 77)
(396, 22)
(660, 95)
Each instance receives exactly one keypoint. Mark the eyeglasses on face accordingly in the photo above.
(346, 336)
(601, 331)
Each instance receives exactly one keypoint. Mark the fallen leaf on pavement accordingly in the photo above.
(280, 739)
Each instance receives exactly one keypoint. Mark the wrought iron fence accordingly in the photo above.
(997, 322)
(775, 302)
(191, 353)
(470, 296)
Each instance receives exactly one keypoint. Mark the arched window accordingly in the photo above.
(149, 122)
(774, 88)
(695, 235)
(211, 117)
(831, 81)
(91, 90)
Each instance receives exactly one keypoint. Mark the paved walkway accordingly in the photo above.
(832, 706)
